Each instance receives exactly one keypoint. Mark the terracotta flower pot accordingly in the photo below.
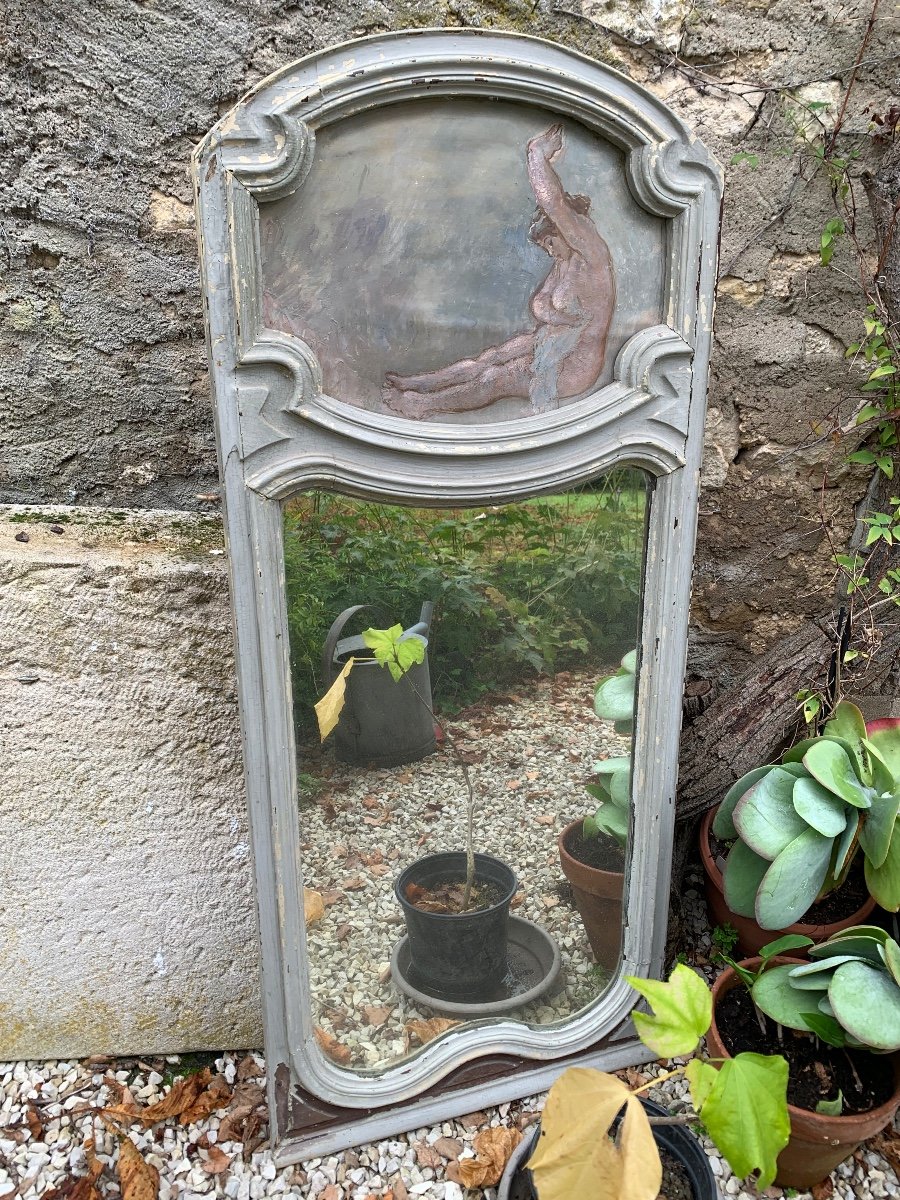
(598, 897)
(751, 936)
(817, 1142)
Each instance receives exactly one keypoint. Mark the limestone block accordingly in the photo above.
(127, 910)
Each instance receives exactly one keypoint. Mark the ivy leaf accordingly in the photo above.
(745, 1113)
(682, 1012)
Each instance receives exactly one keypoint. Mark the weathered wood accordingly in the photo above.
(748, 723)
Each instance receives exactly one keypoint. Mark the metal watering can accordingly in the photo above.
(383, 722)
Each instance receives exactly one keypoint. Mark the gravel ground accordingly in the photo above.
(543, 744)
(530, 756)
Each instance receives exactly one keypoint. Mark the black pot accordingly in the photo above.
(518, 1182)
(457, 956)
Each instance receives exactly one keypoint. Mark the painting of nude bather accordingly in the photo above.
(414, 263)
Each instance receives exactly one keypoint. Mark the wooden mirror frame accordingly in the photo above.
(279, 434)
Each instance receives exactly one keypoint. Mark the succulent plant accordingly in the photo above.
(849, 994)
(614, 701)
(800, 823)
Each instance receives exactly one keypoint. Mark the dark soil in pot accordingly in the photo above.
(816, 1071)
(457, 955)
(601, 853)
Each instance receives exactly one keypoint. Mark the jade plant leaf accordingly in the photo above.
(885, 737)
(793, 881)
(614, 697)
(819, 808)
(723, 825)
(846, 846)
(872, 931)
(861, 946)
(574, 1157)
(783, 945)
(866, 1001)
(848, 724)
(765, 816)
(745, 1113)
(682, 1012)
(774, 994)
(890, 952)
(832, 766)
(744, 872)
(877, 827)
(884, 882)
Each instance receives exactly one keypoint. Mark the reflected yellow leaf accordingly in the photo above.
(329, 707)
(574, 1155)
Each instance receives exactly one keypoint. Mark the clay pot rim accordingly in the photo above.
(883, 1113)
(818, 933)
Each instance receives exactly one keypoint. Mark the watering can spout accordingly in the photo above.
(423, 625)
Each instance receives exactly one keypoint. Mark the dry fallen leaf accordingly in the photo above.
(182, 1097)
(139, 1179)
(124, 1104)
(35, 1126)
(473, 1119)
(334, 1049)
(493, 1148)
(426, 1030)
(83, 1188)
(333, 897)
(328, 709)
(248, 1068)
(426, 1156)
(313, 905)
(517, 900)
(379, 869)
(216, 1161)
(216, 1096)
(448, 1147)
(513, 784)
(549, 901)
(823, 1190)
(377, 1014)
(887, 1143)
(353, 885)
(544, 819)
(343, 931)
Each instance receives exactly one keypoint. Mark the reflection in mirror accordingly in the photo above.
(469, 721)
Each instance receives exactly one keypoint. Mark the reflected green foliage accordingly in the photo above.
(519, 590)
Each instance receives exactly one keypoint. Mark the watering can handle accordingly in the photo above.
(426, 615)
(328, 672)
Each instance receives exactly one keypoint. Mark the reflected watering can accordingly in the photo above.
(383, 721)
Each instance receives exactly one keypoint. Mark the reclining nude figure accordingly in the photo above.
(563, 356)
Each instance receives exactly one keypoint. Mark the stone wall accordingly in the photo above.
(129, 911)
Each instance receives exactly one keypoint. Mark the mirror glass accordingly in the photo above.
(505, 620)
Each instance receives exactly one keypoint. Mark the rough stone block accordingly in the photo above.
(127, 911)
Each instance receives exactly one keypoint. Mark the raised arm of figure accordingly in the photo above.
(577, 229)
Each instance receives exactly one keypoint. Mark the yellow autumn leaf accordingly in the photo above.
(329, 707)
(574, 1155)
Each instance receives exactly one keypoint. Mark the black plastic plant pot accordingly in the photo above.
(518, 1182)
(458, 956)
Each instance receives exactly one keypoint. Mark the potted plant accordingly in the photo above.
(455, 903)
(796, 828)
(592, 849)
(844, 1005)
(742, 1106)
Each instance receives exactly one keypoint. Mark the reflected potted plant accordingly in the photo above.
(836, 1019)
(592, 849)
(789, 833)
(578, 1150)
(455, 903)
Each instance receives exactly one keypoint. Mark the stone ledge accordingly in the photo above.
(127, 914)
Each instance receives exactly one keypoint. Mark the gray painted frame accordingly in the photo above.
(277, 433)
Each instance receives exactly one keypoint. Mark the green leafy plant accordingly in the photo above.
(848, 995)
(741, 1101)
(614, 701)
(797, 825)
